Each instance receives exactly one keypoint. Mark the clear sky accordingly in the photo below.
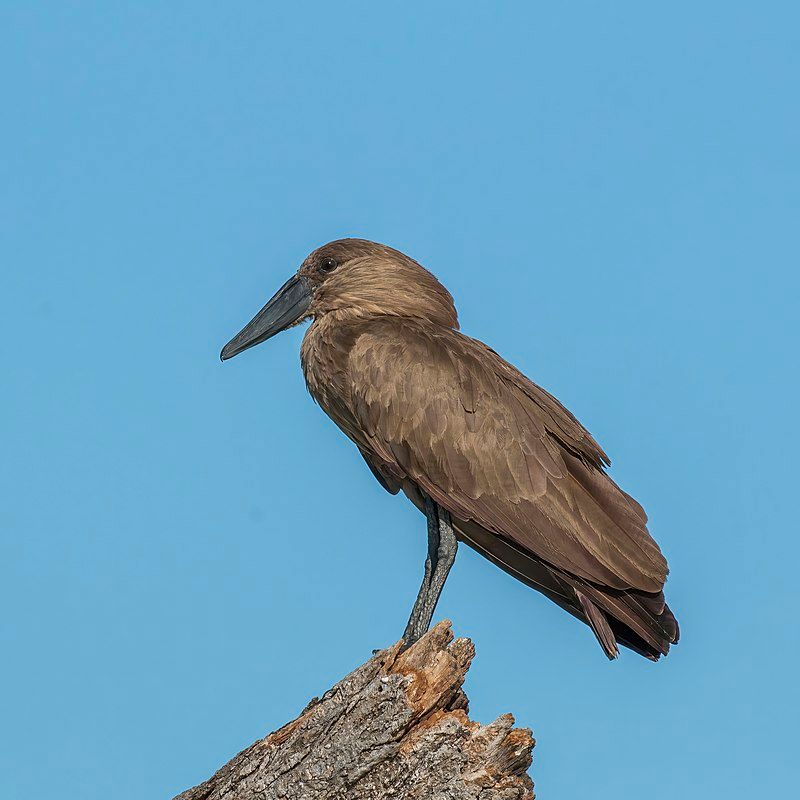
(191, 550)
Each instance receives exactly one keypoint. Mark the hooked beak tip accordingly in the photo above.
(233, 348)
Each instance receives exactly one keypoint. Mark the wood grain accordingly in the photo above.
(395, 727)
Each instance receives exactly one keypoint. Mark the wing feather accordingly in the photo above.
(491, 447)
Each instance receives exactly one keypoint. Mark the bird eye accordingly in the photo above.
(328, 264)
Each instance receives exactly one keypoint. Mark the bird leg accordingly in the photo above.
(412, 631)
(442, 546)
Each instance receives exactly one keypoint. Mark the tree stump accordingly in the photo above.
(396, 727)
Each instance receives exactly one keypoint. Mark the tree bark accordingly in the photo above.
(396, 727)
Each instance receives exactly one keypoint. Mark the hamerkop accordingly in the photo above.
(488, 456)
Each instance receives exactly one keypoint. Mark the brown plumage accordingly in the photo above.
(439, 415)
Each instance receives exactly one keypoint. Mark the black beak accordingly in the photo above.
(289, 305)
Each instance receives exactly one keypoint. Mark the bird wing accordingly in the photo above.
(445, 411)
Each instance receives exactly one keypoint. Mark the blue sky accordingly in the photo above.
(190, 550)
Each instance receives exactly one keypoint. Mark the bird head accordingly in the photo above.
(349, 276)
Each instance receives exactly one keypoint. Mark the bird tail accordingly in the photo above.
(641, 621)
(599, 624)
(638, 620)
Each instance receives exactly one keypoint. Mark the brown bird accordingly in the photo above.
(488, 456)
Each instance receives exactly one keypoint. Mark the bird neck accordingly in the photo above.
(323, 354)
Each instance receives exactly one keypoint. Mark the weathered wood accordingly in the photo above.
(396, 727)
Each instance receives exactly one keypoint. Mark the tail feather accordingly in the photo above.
(638, 620)
(600, 626)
